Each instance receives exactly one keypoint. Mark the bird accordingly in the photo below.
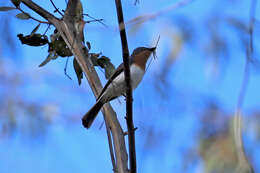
(116, 85)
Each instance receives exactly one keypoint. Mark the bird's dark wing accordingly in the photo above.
(118, 70)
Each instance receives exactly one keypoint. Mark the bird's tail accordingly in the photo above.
(90, 116)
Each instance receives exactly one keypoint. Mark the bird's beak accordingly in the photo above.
(152, 49)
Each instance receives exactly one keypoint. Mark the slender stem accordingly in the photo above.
(129, 97)
(47, 29)
(56, 9)
(246, 76)
(42, 12)
(33, 18)
(250, 50)
(95, 20)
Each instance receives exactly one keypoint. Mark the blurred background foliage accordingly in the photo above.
(183, 111)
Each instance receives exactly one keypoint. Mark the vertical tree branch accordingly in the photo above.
(244, 164)
(129, 97)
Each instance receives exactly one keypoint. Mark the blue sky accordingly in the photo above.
(68, 147)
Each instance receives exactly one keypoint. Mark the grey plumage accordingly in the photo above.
(115, 85)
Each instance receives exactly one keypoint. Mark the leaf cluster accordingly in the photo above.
(56, 45)
(58, 48)
(103, 62)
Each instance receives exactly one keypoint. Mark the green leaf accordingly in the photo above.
(16, 2)
(23, 16)
(109, 70)
(7, 8)
(89, 45)
(35, 29)
(33, 39)
(51, 56)
(104, 62)
(59, 46)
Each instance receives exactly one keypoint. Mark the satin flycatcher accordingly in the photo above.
(115, 86)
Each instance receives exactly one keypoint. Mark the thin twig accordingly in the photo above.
(33, 18)
(97, 20)
(94, 20)
(243, 161)
(47, 29)
(129, 97)
(56, 9)
(42, 12)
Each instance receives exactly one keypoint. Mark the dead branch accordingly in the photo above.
(244, 165)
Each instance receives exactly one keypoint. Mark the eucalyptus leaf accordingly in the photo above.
(78, 70)
(7, 8)
(109, 70)
(89, 45)
(94, 58)
(103, 61)
(23, 16)
(59, 46)
(51, 56)
(33, 39)
(35, 29)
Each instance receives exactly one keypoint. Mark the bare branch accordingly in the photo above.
(42, 12)
(244, 164)
(33, 18)
(95, 20)
(129, 97)
(56, 9)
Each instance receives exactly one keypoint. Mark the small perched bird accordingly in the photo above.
(115, 86)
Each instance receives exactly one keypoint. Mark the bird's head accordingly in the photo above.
(140, 56)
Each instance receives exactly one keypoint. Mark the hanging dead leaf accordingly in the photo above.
(77, 70)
